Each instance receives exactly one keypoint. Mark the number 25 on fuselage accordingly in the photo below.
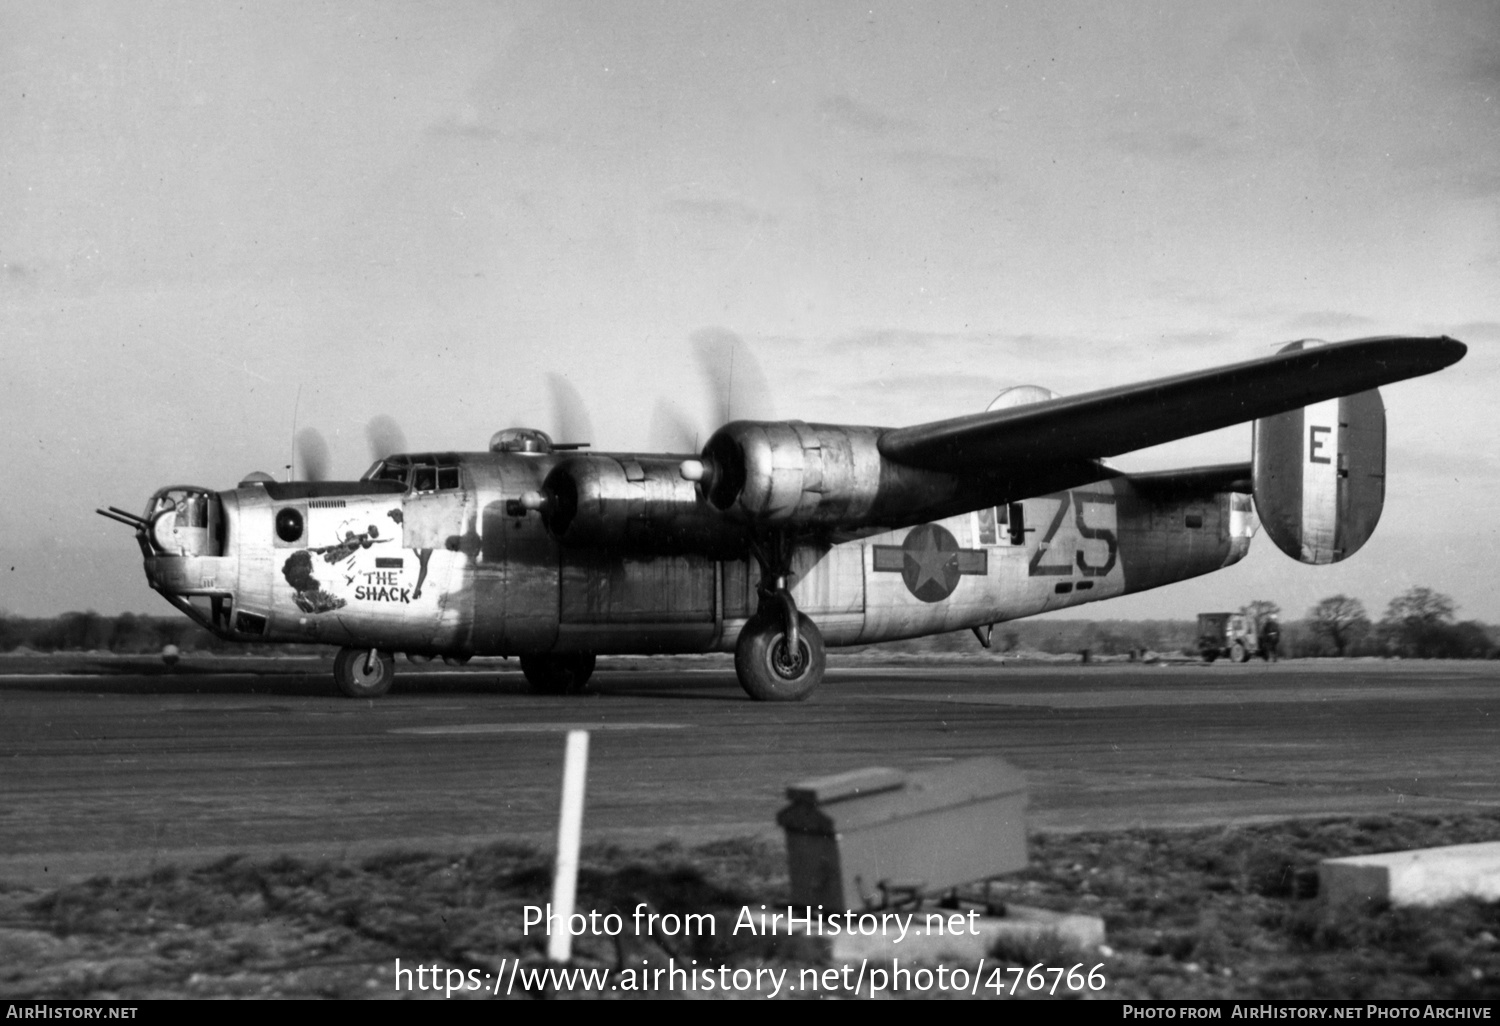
(784, 537)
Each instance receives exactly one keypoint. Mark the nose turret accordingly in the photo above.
(185, 521)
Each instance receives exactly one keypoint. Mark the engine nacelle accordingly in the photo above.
(791, 473)
(633, 503)
(1320, 475)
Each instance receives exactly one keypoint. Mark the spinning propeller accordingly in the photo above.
(314, 458)
(384, 436)
(312, 455)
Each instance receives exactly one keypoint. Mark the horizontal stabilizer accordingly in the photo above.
(1222, 477)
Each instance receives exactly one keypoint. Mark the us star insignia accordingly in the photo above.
(930, 562)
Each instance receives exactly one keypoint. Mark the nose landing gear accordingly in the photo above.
(364, 672)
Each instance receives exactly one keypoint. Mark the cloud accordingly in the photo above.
(1481, 66)
(716, 227)
(1463, 43)
(722, 211)
(1162, 134)
(18, 275)
(1486, 331)
(490, 133)
(1477, 181)
(469, 123)
(931, 166)
(1331, 321)
(1028, 346)
(956, 384)
(489, 121)
(900, 341)
(845, 113)
(1456, 462)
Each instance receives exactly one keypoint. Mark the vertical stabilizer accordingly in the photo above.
(1320, 475)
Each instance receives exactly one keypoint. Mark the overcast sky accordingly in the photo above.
(425, 209)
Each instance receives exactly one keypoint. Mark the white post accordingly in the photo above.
(569, 832)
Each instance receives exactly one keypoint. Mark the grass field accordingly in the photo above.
(1221, 913)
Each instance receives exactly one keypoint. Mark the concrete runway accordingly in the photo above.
(115, 772)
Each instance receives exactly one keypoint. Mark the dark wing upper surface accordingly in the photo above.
(1118, 420)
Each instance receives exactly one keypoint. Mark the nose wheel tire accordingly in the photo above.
(768, 670)
(558, 674)
(363, 673)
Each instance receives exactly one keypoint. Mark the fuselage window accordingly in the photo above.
(987, 526)
(288, 524)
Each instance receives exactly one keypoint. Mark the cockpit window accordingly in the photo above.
(388, 471)
(424, 473)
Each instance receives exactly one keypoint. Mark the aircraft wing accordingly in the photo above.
(779, 479)
(1118, 420)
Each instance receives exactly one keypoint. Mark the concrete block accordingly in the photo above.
(1423, 876)
(863, 839)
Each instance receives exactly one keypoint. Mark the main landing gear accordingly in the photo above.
(364, 672)
(780, 655)
(564, 674)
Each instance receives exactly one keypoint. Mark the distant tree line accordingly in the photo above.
(1418, 624)
(126, 634)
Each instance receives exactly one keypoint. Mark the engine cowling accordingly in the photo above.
(810, 477)
(1319, 476)
(792, 473)
(633, 503)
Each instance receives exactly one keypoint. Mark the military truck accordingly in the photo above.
(1231, 635)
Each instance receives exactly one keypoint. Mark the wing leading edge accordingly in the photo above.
(1119, 420)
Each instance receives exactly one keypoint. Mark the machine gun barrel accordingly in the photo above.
(128, 519)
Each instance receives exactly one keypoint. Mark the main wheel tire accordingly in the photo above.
(1241, 654)
(359, 676)
(768, 671)
(1209, 655)
(558, 674)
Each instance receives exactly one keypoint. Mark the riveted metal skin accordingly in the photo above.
(792, 473)
(461, 571)
(825, 477)
(635, 503)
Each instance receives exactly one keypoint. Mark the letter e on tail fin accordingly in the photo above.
(1320, 475)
